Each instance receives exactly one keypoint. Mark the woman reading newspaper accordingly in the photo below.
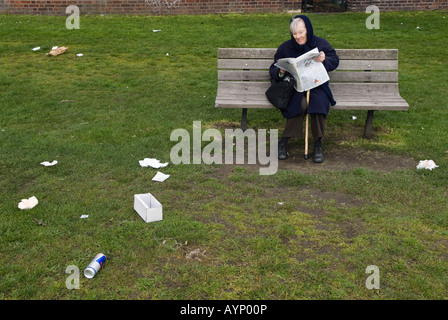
(303, 40)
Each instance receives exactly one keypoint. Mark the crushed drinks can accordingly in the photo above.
(94, 266)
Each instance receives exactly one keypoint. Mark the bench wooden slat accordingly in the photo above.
(244, 64)
(343, 64)
(371, 54)
(374, 88)
(251, 102)
(368, 65)
(339, 88)
(356, 76)
(243, 75)
(246, 53)
(268, 53)
(335, 76)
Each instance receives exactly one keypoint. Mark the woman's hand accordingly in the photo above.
(320, 57)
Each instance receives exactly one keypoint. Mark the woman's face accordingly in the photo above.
(299, 33)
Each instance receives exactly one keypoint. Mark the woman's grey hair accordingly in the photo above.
(293, 24)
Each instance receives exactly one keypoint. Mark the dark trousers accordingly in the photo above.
(294, 126)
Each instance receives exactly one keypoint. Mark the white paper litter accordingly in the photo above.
(28, 203)
(160, 177)
(354, 118)
(156, 30)
(79, 54)
(84, 216)
(151, 162)
(54, 47)
(49, 164)
(427, 164)
(35, 49)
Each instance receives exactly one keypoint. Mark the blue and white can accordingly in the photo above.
(94, 266)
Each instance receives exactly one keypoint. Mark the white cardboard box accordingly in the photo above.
(148, 207)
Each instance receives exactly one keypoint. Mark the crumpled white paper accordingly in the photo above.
(36, 48)
(151, 162)
(49, 164)
(427, 164)
(160, 177)
(28, 203)
(84, 216)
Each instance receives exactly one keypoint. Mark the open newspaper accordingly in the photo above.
(308, 73)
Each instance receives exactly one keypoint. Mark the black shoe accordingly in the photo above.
(318, 156)
(282, 153)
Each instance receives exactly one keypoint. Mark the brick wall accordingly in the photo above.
(154, 7)
(391, 5)
(157, 7)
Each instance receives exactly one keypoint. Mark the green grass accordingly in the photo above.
(101, 113)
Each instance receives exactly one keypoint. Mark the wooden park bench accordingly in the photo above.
(366, 79)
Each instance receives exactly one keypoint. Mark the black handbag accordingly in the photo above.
(280, 92)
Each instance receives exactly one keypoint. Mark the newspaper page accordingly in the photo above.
(308, 73)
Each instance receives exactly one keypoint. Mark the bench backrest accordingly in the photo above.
(360, 71)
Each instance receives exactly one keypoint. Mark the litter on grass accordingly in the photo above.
(151, 162)
(49, 164)
(196, 254)
(160, 177)
(40, 223)
(26, 204)
(170, 243)
(57, 51)
(427, 164)
(84, 216)
(35, 49)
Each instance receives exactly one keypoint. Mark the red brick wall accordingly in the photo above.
(391, 5)
(57, 7)
(157, 7)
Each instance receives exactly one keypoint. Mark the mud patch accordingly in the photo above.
(346, 159)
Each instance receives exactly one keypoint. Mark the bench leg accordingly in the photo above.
(244, 120)
(368, 130)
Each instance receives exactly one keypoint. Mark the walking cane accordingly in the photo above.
(306, 124)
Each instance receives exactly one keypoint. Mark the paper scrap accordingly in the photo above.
(57, 51)
(160, 177)
(35, 49)
(427, 164)
(354, 117)
(28, 203)
(156, 30)
(49, 164)
(151, 162)
(54, 48)
(84, 216)
(79, 54)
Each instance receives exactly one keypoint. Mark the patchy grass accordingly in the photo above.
(307, 232)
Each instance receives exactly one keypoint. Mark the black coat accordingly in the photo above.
(320, 97)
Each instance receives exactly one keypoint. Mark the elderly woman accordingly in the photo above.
(303, 40)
